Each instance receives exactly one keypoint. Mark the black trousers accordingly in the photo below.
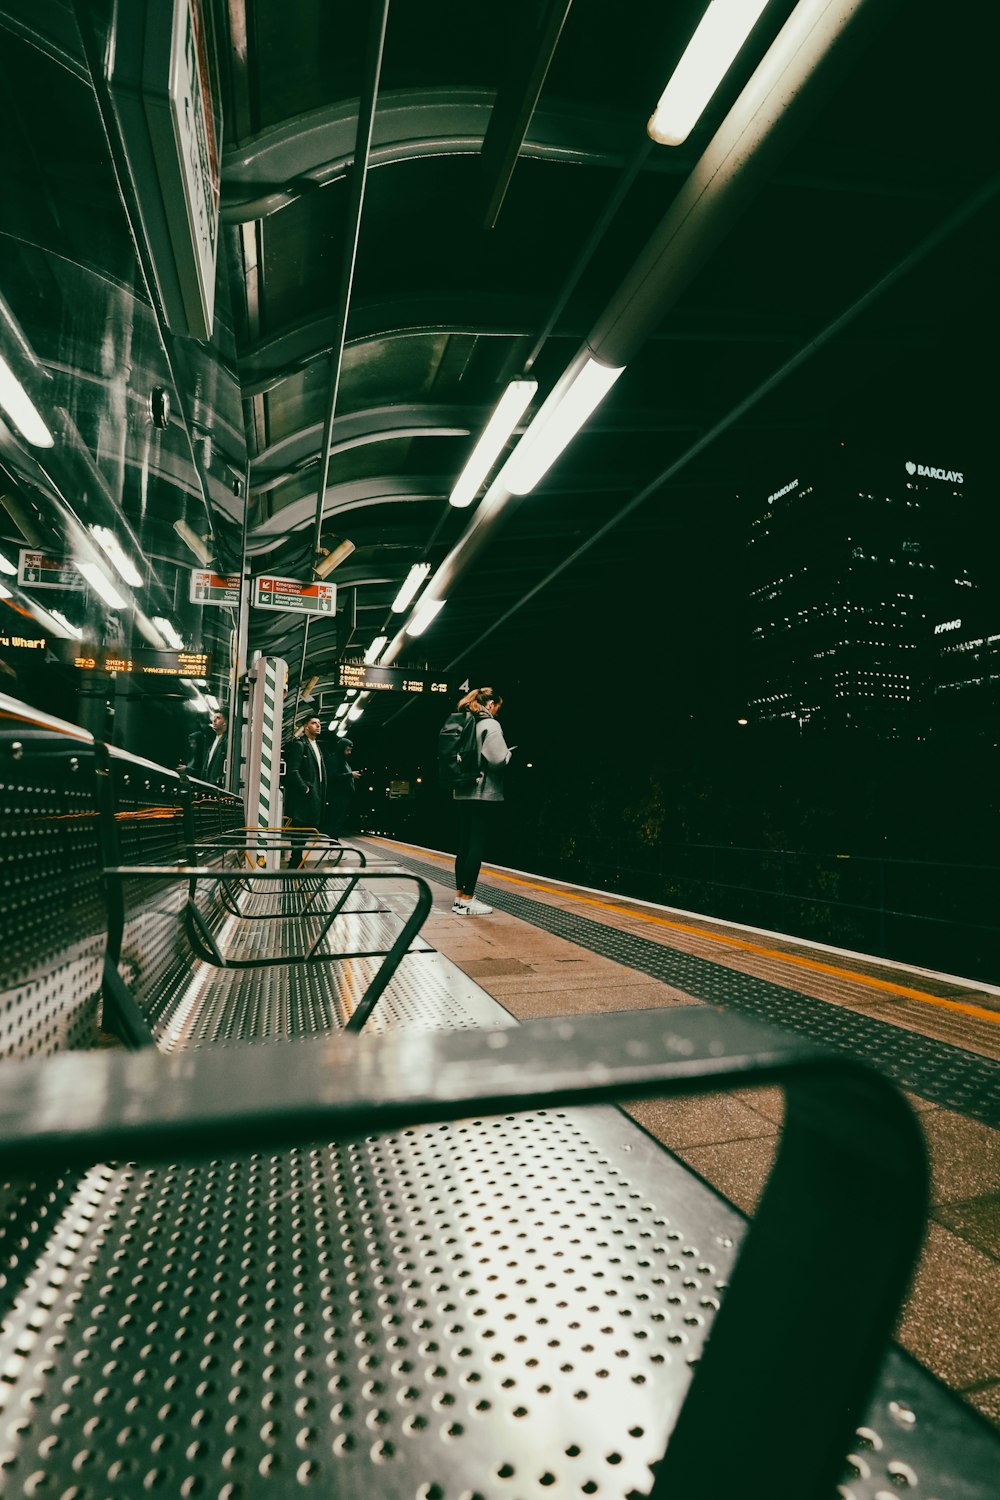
(474, 821)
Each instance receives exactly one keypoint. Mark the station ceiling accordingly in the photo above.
(761, 284)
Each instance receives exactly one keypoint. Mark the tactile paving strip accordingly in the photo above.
(934, 1070)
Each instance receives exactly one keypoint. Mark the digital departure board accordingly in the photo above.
(144, 663)
(355, 674)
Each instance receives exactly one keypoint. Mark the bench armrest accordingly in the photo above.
(814, 1296)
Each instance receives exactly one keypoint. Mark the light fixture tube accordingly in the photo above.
(411, 586)
(73, 631)
(425, 612)
(168, 632)
(707, 59)
(7, 567)
(197, 701)
(101, 583)
(355, 713)
(341, 711)
(5, 592)
(21, 409)
(123, 564)
(559, 419)
(375, 650)
(213, 703)
(198, 545)
(507, 413)
(333, 559)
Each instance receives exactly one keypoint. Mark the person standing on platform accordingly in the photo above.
(340, 783)
(477, 804)
(305, 790)
(209, 763)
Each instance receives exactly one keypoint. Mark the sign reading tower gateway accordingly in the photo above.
(362, 678)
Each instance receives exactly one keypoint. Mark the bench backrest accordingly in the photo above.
(53, 921)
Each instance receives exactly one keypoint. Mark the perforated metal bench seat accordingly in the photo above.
(194, 970)
(503, 1305)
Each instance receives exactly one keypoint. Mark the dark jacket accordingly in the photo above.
(213, 771)
(305, 789)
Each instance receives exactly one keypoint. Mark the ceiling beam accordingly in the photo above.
(532, 49)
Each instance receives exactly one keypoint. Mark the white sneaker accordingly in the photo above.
(474, 908)
(460, 908)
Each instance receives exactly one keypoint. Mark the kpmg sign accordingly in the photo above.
(163, 91)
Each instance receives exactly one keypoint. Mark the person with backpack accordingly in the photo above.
(473, 757)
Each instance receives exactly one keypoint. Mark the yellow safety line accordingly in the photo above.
(977, 1011)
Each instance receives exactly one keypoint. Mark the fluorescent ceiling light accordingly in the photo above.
(197, 701)
(7, 567)
(73, 631)
(213, 703)
(198, 545)
(411, 586)
(168, 632)
(5, 592)
(101, 583)
(720, 34)
(559, 419)
(124, 565)
(375, 650)
(355, 713)
(424, 613)
(21, 409)
(508, 412)
(333, 559)
(341, 711)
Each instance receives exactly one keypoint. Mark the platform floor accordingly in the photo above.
(554, 949)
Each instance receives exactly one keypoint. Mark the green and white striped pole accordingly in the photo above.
(268, 677)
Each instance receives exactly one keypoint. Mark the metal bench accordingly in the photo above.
(189, 943)
(414, 1264)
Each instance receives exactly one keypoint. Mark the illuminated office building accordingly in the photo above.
(856, 581)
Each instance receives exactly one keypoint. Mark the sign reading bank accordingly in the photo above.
(927, 471)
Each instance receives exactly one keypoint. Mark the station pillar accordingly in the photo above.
(267, 677)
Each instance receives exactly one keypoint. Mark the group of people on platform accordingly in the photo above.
(319, 788)
(319, 781)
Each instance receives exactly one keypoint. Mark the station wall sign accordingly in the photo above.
(355, 674)
(214, 588)
(165, 90)
(37, 570)
(293, 594)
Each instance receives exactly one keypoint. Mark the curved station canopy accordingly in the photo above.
(452, 232)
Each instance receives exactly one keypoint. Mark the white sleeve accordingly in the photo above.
(492, 745)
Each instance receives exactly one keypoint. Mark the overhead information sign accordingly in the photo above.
(36, 570)
(214, 588)
(143, 663)
(293, 594)
(354, 674)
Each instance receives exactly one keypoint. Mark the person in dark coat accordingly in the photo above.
(340, 795)
(305, 788)
(209, 759)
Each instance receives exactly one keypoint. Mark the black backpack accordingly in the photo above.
(458, 751)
